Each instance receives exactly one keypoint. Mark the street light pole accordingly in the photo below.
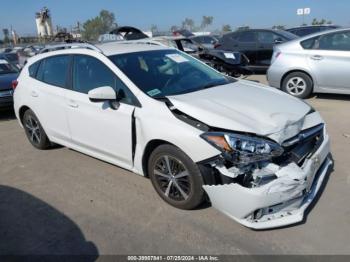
(303, 12)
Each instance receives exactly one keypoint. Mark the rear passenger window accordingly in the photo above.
(339, 41)
(247, 37)
(54, 70)
(33, 69)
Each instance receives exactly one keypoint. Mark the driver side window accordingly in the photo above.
(90, 73)
(268, 37)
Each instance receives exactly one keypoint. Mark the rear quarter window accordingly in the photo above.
(32, 69)
(309, 43)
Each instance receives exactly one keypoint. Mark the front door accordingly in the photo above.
(96, 128)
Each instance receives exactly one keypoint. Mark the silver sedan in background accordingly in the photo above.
(319, 63)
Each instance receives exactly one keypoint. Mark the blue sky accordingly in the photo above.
(163, 13)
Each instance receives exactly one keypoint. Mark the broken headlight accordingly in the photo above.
(243, 149)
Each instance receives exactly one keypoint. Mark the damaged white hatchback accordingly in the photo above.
(258, 154)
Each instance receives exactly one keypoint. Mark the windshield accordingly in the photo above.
(167, 72)
(7, 69)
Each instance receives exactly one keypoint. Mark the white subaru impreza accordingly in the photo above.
(258, 154)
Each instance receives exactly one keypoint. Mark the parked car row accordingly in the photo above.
(19, 55)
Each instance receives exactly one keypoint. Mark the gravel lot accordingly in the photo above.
(61, 201)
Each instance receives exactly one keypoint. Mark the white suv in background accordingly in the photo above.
(259, 154)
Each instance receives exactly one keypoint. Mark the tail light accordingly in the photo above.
(217, 45)
(276, 54)
(14, 84)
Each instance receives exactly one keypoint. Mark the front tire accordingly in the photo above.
(175, 177)
(34, 131)
(298, 84)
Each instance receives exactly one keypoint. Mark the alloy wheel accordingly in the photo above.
(172, 178)
(296, 86)
(33, 130)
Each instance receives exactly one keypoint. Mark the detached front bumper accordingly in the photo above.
(279, 203)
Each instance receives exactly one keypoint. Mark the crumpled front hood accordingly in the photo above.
(247, 107)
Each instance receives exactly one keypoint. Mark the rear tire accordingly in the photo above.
(298, 84)
(34, 131)
(181, 186)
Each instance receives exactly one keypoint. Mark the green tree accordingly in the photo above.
(101, 24)
(321, 22)
(206, 21)
(188, 23)
(226, 28)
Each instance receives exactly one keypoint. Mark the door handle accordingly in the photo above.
(317, 57)
(34, 94)
(73, 104)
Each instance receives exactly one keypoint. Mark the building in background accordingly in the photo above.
(44, 23)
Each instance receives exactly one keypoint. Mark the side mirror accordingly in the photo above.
(279, 41)
(102, 94)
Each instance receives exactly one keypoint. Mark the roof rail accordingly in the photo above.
(145, 41)
(69, 46)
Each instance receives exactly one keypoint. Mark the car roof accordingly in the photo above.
(257, 29)
(293, 42)
(313, 26)
(322, 33)
(115, 48)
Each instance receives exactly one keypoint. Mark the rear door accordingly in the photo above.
(266, 42)
(47, 94)
(96, 128)
(247, 44)
(329, 61)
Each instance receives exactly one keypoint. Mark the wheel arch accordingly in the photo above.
(150, 147)
(298, 71)
(21, 112)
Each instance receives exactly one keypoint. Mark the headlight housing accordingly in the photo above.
(243, 149)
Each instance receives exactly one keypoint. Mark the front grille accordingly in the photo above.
(302, 146)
